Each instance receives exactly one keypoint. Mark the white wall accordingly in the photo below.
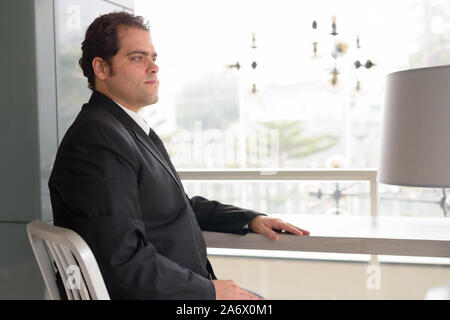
(316, 279)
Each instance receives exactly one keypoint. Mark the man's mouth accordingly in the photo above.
(152, 82)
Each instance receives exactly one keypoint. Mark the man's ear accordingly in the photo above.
(100, 67)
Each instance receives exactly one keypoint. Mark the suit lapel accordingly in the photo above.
(105, 102)
(144, 139)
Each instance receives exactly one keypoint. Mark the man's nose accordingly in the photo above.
(152, 67)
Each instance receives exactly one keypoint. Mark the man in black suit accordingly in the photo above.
(114, 184)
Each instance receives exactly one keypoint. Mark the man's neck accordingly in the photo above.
(117, 99)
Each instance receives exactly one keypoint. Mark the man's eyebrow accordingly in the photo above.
(145, 53)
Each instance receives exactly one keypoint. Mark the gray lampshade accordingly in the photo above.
(415, 142)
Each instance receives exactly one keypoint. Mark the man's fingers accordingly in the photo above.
(230, 290)
(269, 233)
(305, 232)
(281, 225)
(267, 226)
(248, 295)
(292, 229)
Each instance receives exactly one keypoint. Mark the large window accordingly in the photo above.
(282, 107)
(72, 17)
(283, 111)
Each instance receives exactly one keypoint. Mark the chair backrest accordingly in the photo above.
(63, 250)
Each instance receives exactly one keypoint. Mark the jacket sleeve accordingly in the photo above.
(94, 191)
(215, 216)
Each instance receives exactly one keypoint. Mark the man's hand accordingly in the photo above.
(229, 290)
(265, 226)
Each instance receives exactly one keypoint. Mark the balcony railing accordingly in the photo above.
(291, 174)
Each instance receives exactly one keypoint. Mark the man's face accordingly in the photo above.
(133, 81)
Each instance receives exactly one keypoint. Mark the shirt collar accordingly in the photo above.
(137, 118)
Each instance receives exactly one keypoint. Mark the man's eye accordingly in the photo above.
(136, 58)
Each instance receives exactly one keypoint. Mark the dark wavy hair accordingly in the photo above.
(101, 40)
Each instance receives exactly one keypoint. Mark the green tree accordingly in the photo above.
(294, 144)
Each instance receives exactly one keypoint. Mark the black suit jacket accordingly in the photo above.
(115, 186)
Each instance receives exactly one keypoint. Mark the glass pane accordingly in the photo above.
(245, 88)
(300, 197)
(311, 119)
(72, 18)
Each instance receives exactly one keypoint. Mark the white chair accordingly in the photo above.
(62, 250)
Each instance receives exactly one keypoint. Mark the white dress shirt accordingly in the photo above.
(137, 117)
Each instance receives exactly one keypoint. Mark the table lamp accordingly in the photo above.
(415, 142)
